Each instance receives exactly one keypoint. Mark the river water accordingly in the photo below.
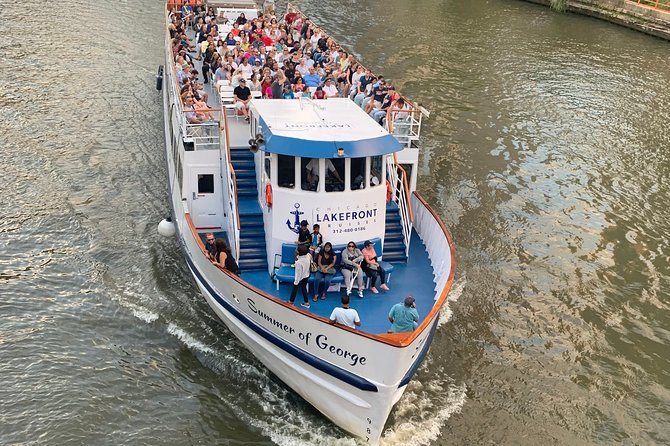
(546, 153)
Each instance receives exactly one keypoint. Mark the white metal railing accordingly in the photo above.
(436, 242)
(228, 174)
(205, 136)
(400, 196)
(405, 124)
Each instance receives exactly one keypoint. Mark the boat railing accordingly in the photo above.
(231, 179)
(400, 196)
(405, 125)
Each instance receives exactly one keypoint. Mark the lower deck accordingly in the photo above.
(414, 277)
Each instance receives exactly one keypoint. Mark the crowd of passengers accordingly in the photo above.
(280, 59)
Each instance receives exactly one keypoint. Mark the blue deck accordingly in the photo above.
(415, 277)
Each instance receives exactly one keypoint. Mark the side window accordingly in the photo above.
(309, 171)
(205, 183)
(268, 165)
(334, 175)
(286, 171)
(358, 168)
(376, 169)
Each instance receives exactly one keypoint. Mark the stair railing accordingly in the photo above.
(397, 177)
(227, 167)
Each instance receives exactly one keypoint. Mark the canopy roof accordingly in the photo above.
(318, 128)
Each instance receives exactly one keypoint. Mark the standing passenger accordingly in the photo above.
(404, 316)
(302, 273)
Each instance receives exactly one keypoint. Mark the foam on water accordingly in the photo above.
(454, 294)
(424, 410)
(188, 339)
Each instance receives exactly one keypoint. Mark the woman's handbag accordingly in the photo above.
(313, 267)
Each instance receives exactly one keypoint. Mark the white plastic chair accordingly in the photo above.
(228, 100)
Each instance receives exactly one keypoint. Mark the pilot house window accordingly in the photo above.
(334, 175)
(376, 170)
(310, 174)
(358, 168)
(285, 171)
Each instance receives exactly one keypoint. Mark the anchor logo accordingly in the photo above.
(296, 225)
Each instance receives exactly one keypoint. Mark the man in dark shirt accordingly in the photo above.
(242, 97)
(211, 248)
(378, 94)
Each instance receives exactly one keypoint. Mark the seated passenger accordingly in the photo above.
(372, 268)
(189, 111)
(224, 258)
(352, 259)
(345, 315)
(317, 240)
(379, 114)
(319, 93)
(201, 108)
(242, 97)
(326, 263)
(210, 247)
(330, 89)
(404, 316)
(311, 79)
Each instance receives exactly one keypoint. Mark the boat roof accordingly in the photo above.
(318, 128)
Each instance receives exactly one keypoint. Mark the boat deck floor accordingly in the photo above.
(414, 277)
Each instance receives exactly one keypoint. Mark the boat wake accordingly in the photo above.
(454, 295)
(422, 412)
(188, 339)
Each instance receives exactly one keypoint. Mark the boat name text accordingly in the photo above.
(345, 216)
(320, 340)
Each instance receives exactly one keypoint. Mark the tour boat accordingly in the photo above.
(245, 182)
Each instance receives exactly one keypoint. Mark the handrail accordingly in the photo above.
(405, 184)
(400, 196)
(232, 186)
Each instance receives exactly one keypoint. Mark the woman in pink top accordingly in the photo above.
(372, 268)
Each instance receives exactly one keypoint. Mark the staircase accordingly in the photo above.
(252, 233)
(394, 244)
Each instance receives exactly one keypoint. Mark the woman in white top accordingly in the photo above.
(302, 273)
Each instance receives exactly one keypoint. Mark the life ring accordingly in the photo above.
(268, 195)
(389, 192)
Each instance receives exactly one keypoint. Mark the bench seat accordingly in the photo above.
(286, 270)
